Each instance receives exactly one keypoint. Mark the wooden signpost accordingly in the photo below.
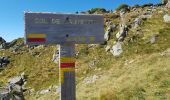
(66, 30)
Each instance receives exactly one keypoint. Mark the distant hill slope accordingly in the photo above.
(141, 72)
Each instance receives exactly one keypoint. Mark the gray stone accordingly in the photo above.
(122, 12)
(108, 31)
(122, 33)
(152, 39)
(55, 58)
(4, 61)
(2, 43)
(91, 79)
(116, 49)
(16, 80)
(166, 18)
(137, 22)
(106, 35)
(166, 52)
(45, 91)
(168, 4)
(92, 63)
(107, 48)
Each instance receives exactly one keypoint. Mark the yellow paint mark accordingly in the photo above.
(67, 60)
(62, 71)
(36, 35)
(92, 38)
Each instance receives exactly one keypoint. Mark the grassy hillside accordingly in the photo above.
(140, 73)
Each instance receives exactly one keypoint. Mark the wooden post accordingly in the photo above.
(67, 72)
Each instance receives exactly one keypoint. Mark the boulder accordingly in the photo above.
(168, 4)
(152, 39)
(107, 35)
(137, 22)
(166, 18)
(117, 49)
(122, 33)
(4, 61)
(2, 43)
(4, 94)
(111, 28)
(16, 80)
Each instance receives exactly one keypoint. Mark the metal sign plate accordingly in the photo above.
(52, 28)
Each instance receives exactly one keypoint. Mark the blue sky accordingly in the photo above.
(11, 11)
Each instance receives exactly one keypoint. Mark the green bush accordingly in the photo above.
(97, 10)
(123, 6)
(147, 5)
(136, 6)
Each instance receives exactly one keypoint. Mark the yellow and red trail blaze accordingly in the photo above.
(67, 64)
(36, 37)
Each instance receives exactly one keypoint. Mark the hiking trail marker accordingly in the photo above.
(65, 30)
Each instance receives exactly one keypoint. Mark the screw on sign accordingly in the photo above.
(65, 30)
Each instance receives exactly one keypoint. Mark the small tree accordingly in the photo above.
(123, 6)
(97, 10)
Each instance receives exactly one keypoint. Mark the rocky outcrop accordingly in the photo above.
(137, 22)
(116, 50)
(168, 4)
(166, 18)
(122, 33)
(4, 61)
(110, 29)
(2, 43)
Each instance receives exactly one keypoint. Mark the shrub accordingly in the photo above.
(97, 10)
(136, 6)
(123, 6)
(147, 5)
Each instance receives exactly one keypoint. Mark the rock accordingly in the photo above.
(109, 29)
(2, 43)
(129, 62)
(166, 18)
(116, 49)
(166, 52)
(122, 33)
(107, 35)
(107, 48)
(4, 61)
(55, 58)
(4, 93)
(122, 12)
(168, 4)
(152, 39)
(92, 63)
(17, 91)
(44, 91)
(58, 89)
(137, 22)
(89, 80)
(16, 80)
(146, 16)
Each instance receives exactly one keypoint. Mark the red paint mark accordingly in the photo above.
(36, 39)
(67, 65)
